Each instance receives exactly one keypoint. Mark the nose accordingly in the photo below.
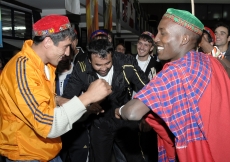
(67, 51)
(141, 45)
(103, 68)
(156, 39)
(217, 34)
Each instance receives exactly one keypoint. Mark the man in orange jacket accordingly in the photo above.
(31, 118)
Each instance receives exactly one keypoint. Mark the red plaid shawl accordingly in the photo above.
(188, 96)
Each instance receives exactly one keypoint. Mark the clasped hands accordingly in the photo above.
(95, 93)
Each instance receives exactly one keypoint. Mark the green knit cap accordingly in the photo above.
(185, 19)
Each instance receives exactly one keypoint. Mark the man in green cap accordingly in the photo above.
(188, 99)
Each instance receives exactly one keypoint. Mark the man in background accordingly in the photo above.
(222, 32)
(147, 63)
(120, 47)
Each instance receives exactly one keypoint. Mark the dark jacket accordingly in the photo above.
(153, 63)
(227, 54)
(126, 73)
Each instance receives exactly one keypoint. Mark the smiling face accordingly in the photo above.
(120, 49)
(222, 37)
(168, 40)
(144, 47)
(57, 52)
(101, 65)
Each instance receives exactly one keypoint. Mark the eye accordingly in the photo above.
(146, 45)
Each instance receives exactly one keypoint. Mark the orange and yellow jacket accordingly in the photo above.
(27, 107)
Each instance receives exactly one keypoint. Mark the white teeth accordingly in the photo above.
(160, 48)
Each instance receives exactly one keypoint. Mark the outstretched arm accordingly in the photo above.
(133, 110)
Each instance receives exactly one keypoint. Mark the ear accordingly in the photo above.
(47, 42)
(228, 38)
(151, 49)
(185, 39)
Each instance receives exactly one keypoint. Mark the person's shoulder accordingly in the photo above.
(227, 54)
(80, 56)
(82, 65)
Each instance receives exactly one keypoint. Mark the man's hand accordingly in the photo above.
(95, 108)
(205, 45)
(144, 126)
(117, 114)
(97, 91)
(61, 100)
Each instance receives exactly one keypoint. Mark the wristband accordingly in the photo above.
(120, 109)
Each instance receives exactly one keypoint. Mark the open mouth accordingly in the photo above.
(141, 51)
(159, 48)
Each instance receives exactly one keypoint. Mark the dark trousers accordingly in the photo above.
(2, 159)
(75, 144)
(118, 155)
(148, 142)
(102, 138)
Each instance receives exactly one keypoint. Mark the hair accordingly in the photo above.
(224, 25)
(100, 47)
(64, 64)
(108, 32)
(57, 37)
(146, 37)
(209, 36)
(197, 39)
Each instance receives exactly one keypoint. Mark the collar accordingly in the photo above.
(149, 57)
(30, 53)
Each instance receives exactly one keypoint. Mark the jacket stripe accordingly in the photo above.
(124, 66)
(82, 65)
(27, 95)
(30, 94)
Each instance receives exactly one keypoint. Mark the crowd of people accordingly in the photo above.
(59, 103)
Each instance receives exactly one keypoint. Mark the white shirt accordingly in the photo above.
(143, 64)
(62, 78)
